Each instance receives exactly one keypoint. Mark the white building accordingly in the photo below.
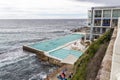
(101, 19)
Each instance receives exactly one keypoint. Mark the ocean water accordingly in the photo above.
(16, 64)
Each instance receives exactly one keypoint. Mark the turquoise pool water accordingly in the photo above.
(63, 53)
(52, 44)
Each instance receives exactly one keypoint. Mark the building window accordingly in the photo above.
(89, 14)
(114, 22)
(104, 30)
(97, 22)
(107, 13)
(106, 22)
(96, 36)
(98, 13)
(96, 30)
(116, 13)
(89, 24)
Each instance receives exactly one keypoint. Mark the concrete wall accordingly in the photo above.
(115, 70)
(41, 55)
(105, 70)
(32, 50)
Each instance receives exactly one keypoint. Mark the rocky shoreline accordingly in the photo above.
(81, 29)
(53, 76)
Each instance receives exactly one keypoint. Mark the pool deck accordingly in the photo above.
(55, 54)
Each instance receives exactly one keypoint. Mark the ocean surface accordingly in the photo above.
(16, 64)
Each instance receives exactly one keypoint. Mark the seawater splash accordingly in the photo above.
(25, 67)
(13, 57)
(40, 76)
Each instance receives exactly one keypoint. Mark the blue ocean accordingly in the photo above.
(16, 64)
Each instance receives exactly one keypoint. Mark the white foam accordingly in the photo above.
(40, 76)
(13, 57)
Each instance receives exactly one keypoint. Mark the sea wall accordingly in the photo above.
(41, 55)
(32, 50)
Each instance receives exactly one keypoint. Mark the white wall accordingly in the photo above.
(115, 69)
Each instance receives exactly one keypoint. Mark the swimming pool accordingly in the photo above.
(63, 53)
(52, 44)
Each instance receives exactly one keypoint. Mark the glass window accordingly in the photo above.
(96, 30)
(114, 22)
(96, 36)
(97, 22)
(116, 13)
(89, 22)
(98, 13)
(89, 14)
(106, 22)
(104, 30)
(107, 13)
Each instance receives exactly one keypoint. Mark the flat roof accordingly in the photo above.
(101, 7)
